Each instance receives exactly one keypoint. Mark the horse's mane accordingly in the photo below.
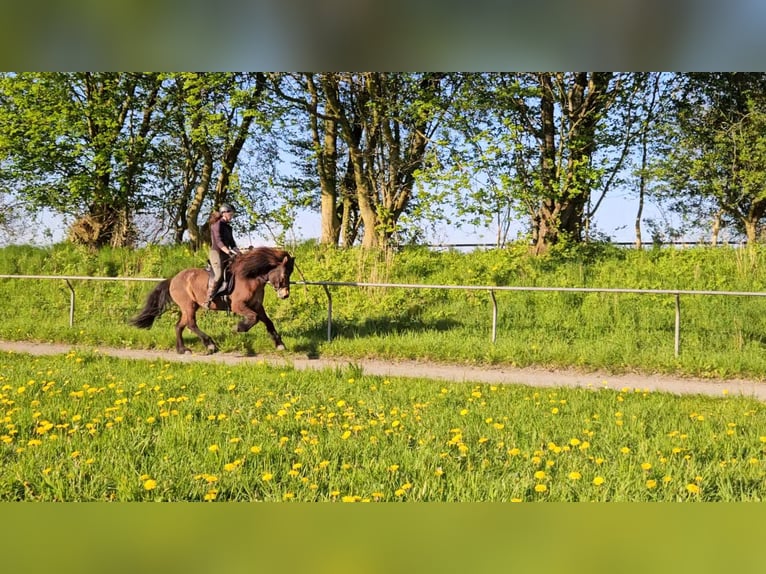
(260, 261)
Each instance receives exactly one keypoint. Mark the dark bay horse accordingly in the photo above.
(251, 271)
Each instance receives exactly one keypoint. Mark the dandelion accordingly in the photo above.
(288, 496)
(393, 468)
(540, 488)
(400, 492)
(646, 466)
(598, 481)
(514, 452)
(211, 495)
(555, 411)
(574, 475)
(463, 412)
(214, 448)
(266, 476)
(150, 484)
(651, 483)
(693, 488)
(540, 474)
(625, 450)
(345, 435)
(515, 500)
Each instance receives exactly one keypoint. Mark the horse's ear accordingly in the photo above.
(286, 260)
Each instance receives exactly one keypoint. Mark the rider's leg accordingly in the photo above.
(214, 281)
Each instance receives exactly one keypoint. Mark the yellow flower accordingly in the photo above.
(393, 468)
(514, 452)
(255, 449)
(539, 475)
(555, 410)
(651, 483)
(288, 496)
(540, 488)
(693, 488)
(266, 476)
(345, 435)
(598, 481)
(646, 465)
(575, 476)
(150, 484)
(574, 441)
(213, 448)
(211, 495)
(625, 450)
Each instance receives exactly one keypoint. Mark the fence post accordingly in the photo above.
(71, 303)
(329, 312)
(494, 315)
(678, 323)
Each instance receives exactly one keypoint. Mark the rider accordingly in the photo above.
(222, 247)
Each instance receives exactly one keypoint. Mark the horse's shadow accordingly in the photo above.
(312, 337)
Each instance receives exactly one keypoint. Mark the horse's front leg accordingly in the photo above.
(264, 318)
(249, 317)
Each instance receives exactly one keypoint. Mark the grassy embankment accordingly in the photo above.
(721, 336)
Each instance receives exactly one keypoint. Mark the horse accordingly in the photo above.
(250, 272)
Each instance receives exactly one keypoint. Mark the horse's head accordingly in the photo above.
(279, 277)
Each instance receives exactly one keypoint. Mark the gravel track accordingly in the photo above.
(536, 377)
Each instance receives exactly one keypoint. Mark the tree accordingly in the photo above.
(78, 144)
(715, 166)
(210, 117)
(541, 145)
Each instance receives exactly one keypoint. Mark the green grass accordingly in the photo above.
(720, 336)
(85, 427)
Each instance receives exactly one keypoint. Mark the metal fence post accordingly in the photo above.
(494, 315)
(71, 303)
(329, 312)
(678, 323)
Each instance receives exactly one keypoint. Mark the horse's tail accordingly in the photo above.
(156, 304)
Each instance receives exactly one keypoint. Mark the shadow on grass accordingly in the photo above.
(312, 338)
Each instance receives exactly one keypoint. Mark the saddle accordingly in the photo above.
(227, 282)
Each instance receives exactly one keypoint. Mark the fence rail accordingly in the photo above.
(491, 289)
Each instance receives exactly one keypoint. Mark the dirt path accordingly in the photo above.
(460, 373)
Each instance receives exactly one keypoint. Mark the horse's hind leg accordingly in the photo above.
(189, 319)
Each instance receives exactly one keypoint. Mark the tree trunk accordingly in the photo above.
(196, 238)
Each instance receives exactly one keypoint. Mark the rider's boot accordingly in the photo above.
(212, 287)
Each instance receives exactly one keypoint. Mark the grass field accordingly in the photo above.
(84, 427)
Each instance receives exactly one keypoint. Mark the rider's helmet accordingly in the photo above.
(226, 208)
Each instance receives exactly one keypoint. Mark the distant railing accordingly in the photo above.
(490, 289)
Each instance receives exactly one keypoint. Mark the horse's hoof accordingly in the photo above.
(184, 351)
(211, 350)
(281, 347)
